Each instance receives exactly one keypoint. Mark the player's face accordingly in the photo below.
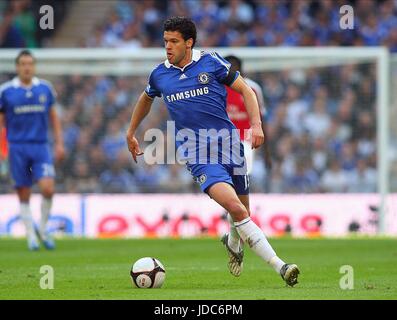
(176, 47)
(26, 68)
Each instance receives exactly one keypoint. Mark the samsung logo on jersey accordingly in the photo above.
(29, 109)
(188, 94)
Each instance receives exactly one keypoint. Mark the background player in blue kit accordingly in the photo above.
(26, 108)
(192, 86)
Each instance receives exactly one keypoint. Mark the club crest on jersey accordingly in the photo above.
(203, 78)
(42, 98)
(202, 179)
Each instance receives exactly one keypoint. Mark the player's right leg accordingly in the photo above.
(26, 216)
(224, 194)
(22, 176)
(234, 244)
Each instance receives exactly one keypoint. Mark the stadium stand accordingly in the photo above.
(321, 122)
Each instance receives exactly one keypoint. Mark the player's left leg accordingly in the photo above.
(44, 173)
(226, 196)
(47, 187)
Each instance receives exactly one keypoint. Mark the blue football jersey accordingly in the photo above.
(195, 95)
(26, 110)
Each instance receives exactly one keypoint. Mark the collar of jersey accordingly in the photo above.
(196, 55)
(17, 83)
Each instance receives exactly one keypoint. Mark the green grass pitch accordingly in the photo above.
(197, 269)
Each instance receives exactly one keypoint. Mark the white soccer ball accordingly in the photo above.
(148, 273)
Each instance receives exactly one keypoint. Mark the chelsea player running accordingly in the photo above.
(192, 84)
(26, 106)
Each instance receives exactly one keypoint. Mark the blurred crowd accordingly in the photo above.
(223, 23)
(220, 23)
(20, 22)
(321, 129)
(321, 121)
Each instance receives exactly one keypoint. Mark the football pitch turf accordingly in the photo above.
(197, 269)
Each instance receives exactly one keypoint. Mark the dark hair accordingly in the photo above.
(235, 61)
(184, 26)
(24, 53)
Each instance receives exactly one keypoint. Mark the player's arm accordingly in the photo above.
(267, 154)
(251, 104)
(141, 109)
(58, 137)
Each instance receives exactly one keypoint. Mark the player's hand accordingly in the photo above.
(257, 136)
(59, 152)
(133, 146)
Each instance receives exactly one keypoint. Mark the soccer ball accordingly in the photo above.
(148, 273)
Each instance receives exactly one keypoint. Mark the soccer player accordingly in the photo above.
(192, 86)
(238, 113)
(26, 108)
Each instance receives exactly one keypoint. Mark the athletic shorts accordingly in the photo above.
(207, 175)
(30, 162)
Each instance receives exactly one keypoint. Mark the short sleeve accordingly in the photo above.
(151, 89)
(222, 70)
(47, 88)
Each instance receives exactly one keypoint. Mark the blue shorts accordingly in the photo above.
(207, 175)
(30, 162)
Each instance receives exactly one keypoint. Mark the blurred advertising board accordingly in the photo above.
(187, 215)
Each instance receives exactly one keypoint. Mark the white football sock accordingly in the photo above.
(26, 216)
(233, 238)
(257, 241)
(276, 263)
(46, 205)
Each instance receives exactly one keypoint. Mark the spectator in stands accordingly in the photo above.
(117, 179)
(304, 179)
(362, 178)
(318, 121)
(335, 179)
(114, 141)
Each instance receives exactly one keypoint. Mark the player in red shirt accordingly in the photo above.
(237, 112)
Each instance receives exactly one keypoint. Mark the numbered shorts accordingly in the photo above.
(30, 163)
(207, 175)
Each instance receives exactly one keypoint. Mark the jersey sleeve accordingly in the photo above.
(222, 71)
(151, 89)
(50, 91)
